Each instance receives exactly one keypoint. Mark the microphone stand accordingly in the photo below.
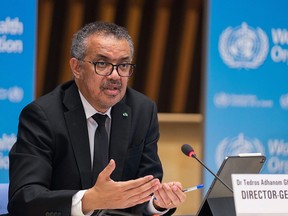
(193, 155)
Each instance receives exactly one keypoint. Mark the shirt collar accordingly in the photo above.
(89, 110)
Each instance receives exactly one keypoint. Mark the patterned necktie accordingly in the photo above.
(101, 147)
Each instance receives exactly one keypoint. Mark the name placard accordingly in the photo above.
(260, 194)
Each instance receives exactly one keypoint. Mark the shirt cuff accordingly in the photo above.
(76, 208)
(152, 210)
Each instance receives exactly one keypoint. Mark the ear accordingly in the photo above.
(75, 67)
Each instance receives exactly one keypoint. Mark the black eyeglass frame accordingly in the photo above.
(132, 67)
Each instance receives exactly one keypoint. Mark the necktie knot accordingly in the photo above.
(100, 119)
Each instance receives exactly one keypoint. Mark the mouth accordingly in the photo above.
(112, 89)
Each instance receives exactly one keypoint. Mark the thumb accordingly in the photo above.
(107, 171)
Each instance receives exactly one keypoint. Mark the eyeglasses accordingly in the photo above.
(106, 68)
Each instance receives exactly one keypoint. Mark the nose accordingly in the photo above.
(114, 74)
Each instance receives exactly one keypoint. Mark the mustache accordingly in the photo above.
(112, 84)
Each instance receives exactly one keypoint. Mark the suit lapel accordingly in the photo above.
(120, 128)
(77, 127)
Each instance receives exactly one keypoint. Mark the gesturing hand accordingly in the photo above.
(109, 194)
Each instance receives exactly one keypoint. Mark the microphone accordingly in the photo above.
(189, 151)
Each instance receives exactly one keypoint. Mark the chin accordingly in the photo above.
(113, 99)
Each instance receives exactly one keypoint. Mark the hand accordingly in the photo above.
(108, 194)
(170, 195)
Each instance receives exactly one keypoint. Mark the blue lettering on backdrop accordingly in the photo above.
(246, 101)
(17, 60)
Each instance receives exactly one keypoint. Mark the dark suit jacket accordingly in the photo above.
(50, 161)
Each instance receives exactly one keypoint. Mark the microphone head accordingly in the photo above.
(188, 150)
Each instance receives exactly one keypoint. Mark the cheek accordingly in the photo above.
(125, 82)
(91, 84)
(94, 86)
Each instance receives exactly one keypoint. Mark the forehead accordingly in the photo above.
(107, 46)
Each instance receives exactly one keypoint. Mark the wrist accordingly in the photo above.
(158, 208)
(87, 204)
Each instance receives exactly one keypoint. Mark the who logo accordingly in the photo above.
(230, 146)
(243, 47)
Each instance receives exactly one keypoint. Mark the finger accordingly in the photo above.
(177, 184)
(138, 200)
(158, 201)
(131, 184)
(107, 171)
(175, 194)
(170, 195)
(145, 190)
(167, 194)
(143, 193)
(162, 198)
(182, 196)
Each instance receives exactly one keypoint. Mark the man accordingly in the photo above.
(54, 169)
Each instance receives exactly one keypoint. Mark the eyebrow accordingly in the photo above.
(108, 59)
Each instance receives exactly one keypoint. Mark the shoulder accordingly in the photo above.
(58, 92)
(52, 100)
(139, 103)
(133, 96)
